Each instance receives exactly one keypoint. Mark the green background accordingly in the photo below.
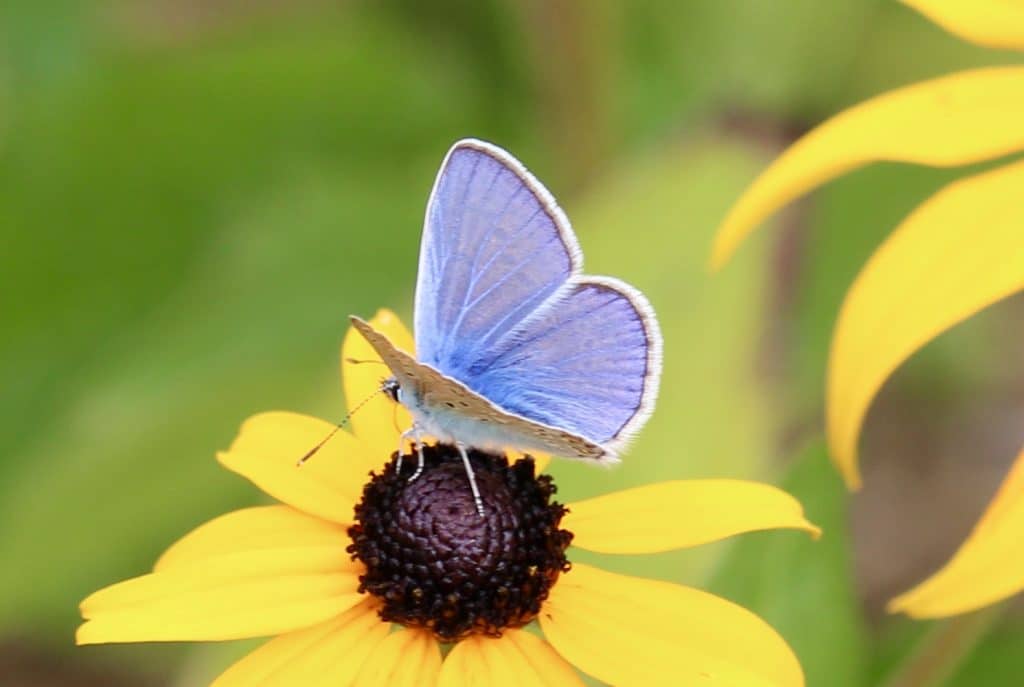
(195, 195)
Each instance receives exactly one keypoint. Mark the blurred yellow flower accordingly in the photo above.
(995, 23)
(990, 560)
(325, 569)
(960, 251)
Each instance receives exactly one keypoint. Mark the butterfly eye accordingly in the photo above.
(391, 387)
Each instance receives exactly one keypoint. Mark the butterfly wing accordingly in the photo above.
(495, 246)
(588, 361)
(502, 308)
(478, 416)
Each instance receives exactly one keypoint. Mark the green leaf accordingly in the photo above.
(997, 660)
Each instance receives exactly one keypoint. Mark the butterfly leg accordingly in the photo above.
(408, 434)
(420, 461)
(472, 479)
(414, 434)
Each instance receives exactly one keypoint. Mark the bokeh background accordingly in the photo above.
(195, 194)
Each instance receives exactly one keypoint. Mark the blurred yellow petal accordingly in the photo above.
(379, 422)
(954, 120)
(987, 568)
(1010, 493)
(249, 594)
(326, 655)
(993, 23)
(328, 485)
(253, 529)
(516, 659)
(961, 250)
(407, 658)
(674, 515)
(631, 631)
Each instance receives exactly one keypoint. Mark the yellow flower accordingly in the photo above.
(286, 569)
(960, 251)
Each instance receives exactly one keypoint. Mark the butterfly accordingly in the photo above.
(515, 346)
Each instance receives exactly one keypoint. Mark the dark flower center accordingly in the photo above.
(435, 563)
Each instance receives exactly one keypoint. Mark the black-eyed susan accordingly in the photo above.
(372, 579)
(960, 251)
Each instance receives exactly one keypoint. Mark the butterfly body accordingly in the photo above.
(445, 408)
(515, 346)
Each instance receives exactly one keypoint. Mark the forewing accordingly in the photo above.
(402, 365)
(588, 362)
(495, 246)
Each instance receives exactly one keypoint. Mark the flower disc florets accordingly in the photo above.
(433, 560)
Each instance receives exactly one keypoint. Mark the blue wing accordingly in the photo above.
(588, 362)
(495, 246)
(501, 305)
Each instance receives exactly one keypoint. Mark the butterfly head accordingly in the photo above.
(391, 387)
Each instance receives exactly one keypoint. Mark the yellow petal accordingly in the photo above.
(540, 460)
(516, 659)
(987, 568)
(327, 486)
(463, 668)
(994, 23)
(253, 529)
(957, 119)
(674, 515)
(1010, 493)
(630, 631)
(326, 655)
(379, 422)
(248, 594)
(407, 658)
(960, 251)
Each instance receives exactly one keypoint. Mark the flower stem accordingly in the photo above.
(944, 648)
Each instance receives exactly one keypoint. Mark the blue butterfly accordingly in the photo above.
(516, 347)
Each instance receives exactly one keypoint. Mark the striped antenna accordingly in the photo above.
(311, 452)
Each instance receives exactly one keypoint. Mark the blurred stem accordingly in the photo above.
(569, 42)
(937, 657)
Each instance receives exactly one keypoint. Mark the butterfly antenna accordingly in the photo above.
(311, 452)
(357, 361)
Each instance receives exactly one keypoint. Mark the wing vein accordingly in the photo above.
(475, 274)
(519, 343)
(508, 275)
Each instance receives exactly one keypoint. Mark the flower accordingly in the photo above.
(343, 569)
(960, 251)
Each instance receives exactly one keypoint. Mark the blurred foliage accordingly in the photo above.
(996, 661)
(805, 589)
(193, 196)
